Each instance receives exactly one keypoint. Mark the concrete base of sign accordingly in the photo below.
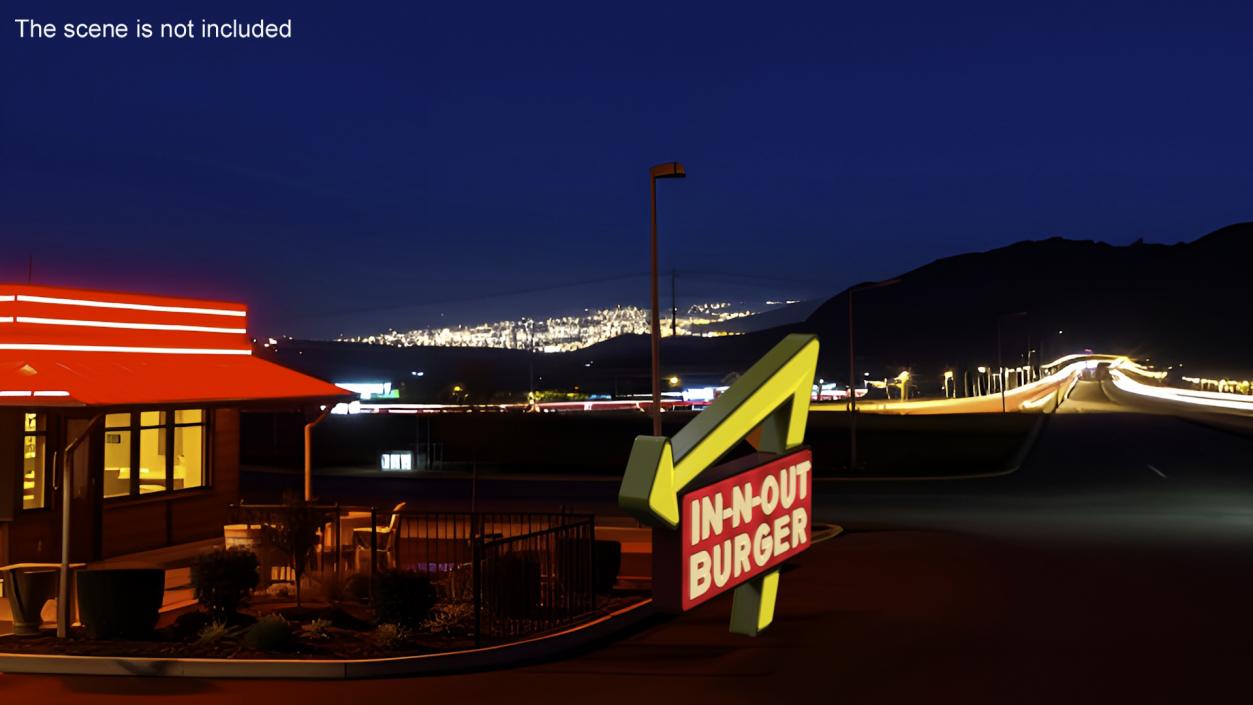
(500, 656)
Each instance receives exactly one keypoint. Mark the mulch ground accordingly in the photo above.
(351, 636)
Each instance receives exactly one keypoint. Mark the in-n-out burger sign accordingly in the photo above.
(743, 526)
(730, 526)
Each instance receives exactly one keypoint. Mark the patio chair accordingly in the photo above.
(386, 541)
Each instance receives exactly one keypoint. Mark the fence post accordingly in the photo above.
(591, 562)
(374, 543)
(339, 545)
(476, 537)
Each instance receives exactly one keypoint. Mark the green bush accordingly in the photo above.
(217, 632)
(270, 633)
(402, 597)
(317, 629)
(223, 578)
(390, 636)
(451, 618)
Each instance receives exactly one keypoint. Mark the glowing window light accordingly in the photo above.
(396, 460)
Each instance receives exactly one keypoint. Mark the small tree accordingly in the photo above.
(294, 533)
(223, 578)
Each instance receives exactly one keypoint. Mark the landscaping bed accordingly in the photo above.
(517, 590)
(349, 634)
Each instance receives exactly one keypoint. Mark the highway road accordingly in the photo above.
(1115, 566)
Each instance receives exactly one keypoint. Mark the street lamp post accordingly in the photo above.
(1000, 364)
(852, 371)
(668, 170)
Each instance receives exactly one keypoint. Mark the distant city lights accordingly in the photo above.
(565, 333)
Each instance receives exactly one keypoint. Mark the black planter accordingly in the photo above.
(120, 603)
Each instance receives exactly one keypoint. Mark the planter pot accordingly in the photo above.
(120, 602)
(29, 591)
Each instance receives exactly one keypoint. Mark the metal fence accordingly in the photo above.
(523, 572)
(535, 581)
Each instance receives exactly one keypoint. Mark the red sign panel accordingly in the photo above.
(740, 527)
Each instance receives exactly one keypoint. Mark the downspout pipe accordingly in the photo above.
(326, 411)
(63, 587)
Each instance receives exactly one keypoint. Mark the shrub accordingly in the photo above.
(270, 633)
(317, 629)
(403, 597)
(452, 618)
(216, 632)
(391, 635)
(282, 590)
(120, 602)
(223, 578)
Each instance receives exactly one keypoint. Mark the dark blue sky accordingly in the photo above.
(410, 153)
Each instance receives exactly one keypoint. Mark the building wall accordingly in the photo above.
(141, 524)
(127, 525)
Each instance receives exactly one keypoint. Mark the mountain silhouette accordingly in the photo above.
(1185, 306)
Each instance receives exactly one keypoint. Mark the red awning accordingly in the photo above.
(72, 378)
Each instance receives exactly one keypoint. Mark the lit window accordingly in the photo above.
(169, 455)
(117, 455)
(152, 452)
(189, 453)
(34, 462)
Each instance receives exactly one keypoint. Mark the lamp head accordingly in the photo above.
(668, 170)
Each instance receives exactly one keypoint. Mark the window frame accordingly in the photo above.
(167, 426)
(46, 435)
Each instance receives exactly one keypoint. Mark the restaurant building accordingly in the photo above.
(140, 395)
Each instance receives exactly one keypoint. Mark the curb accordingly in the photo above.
(512, 654)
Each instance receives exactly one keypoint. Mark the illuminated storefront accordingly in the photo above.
(146, 391)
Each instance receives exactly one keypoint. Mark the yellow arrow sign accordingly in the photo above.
(768, 405)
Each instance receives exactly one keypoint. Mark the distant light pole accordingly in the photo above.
(852, 370)
(1000, 363)
(668, 170)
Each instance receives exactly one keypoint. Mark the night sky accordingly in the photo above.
(425, 157)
